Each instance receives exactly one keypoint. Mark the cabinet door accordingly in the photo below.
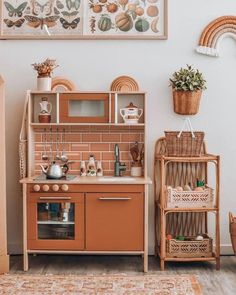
(115, 221)
(55, 222)
(84, 108)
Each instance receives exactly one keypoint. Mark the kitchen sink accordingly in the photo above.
(110, 178)
(68, 177)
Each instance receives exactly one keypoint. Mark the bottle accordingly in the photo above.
(82, 169)
(99, 169)
(91, 168)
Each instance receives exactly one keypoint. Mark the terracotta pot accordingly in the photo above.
(186, 102)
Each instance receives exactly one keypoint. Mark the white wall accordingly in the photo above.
(92, 65)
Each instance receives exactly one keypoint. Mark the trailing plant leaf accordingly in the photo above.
(188, 79)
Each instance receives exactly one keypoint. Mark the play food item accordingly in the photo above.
(179, 188)
(180, 238)
(198, 189)
(200, 182)
(169, 237)
(187, 187)
(199, 238)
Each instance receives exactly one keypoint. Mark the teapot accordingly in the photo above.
(54, 170)
(45, 106)
(131, 114)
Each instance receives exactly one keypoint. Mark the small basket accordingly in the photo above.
(232, 230)
(184, 144)
(189, 248)
(190, 199)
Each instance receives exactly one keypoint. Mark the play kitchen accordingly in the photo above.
(86, 190)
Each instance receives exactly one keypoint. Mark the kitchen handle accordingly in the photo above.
(114, 199)
(55, 198)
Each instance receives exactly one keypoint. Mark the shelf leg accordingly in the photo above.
(26, 261)
(145, 263)
(218, 263)
(162, 264)
(25, 253)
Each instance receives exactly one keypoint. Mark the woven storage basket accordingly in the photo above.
(190, 199)
(184, 146)
(186, 249)
(232, 230)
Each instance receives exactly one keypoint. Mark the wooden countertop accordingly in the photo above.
(92, 180)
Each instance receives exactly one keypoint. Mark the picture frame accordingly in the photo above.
(84, 19)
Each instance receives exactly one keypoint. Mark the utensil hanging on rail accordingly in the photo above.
(58, 157)
(44, 155)
(64, 157)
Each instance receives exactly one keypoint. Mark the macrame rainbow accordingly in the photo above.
(212, 35)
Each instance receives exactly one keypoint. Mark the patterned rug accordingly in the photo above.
(100, 285)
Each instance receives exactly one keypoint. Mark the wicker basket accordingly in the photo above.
(232, 230)
(189, 248)
(184, 146)
(186, 102)
(190, 199)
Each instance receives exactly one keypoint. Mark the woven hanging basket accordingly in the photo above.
(186, 102)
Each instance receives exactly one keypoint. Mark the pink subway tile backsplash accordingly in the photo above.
(82, 141)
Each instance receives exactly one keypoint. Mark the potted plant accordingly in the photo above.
(187, 85)
(44, 71)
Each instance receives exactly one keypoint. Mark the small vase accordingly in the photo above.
(44, 83)
(136, 171)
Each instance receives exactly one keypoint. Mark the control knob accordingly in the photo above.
(65, 187)
(45, 188)
(36, 188)
(55, 188)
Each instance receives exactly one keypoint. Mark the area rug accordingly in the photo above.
(99, 285)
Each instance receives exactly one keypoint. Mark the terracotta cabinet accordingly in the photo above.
(55, 222)
(84, 108)
(114, 221)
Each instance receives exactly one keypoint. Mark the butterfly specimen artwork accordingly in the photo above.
(88, 19)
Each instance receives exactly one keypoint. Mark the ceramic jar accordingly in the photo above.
(45, 111)
(131, 114)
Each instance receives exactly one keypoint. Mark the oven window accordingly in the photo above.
(56, 221)
(86, 108)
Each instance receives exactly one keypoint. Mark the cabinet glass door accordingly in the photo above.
(84, 107)
(56, 221)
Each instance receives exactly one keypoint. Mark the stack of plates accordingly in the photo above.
(124, 84)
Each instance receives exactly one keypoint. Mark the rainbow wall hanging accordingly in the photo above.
(212, 35)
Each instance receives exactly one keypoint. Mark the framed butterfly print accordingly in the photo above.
(83, 19)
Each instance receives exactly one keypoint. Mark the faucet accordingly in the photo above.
(118, 165)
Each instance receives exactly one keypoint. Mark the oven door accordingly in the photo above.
(84, 108)
(55, 221)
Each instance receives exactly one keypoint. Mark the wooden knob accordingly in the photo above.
(65, 187)
(55, 188)
(36, 188)
(45, 188)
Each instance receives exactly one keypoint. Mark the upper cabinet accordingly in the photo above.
(112, 108)
(84, 108)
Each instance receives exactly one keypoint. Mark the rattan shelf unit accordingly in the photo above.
(187, 221)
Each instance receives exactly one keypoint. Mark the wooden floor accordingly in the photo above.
(221, 282)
